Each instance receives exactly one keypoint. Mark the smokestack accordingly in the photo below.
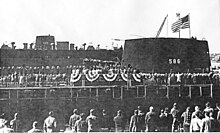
(13, 45)
(31, 46)
(72, 46)
(25, 45)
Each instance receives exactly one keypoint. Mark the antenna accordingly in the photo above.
(161, 27)
(137, 35)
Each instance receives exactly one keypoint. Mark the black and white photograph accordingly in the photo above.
(72, 66)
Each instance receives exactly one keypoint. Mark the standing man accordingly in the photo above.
(208, 108)
(92, 120)
(206, 123)
(187, 115)
(141, 118)
(81, 125)
(197, 109)
(216, 110)
(163, 121)
(195, 125)
(215, 124)
(50, 123)
(209, 124)
(176, 117)
(150, 120)
(15, 124)
(119, 122)
(106, 121)
(168, 120)
(73, 119)
(135, 122)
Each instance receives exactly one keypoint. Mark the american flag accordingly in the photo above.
(181, 23)
(185, 22)
(176, 26)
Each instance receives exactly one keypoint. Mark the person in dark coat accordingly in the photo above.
(141, 116)
(119, 122)
(209, 124)
(81, 124)
(105, 121)
(187, 115)
(135, 122)
(163, 121)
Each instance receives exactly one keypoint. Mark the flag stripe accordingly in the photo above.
(185, 25)
(176, 25)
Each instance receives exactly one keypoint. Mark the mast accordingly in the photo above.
(161, 27)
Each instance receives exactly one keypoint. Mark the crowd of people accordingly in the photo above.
(173, 120)
(39, 76)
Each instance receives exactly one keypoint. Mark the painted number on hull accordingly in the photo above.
(174, 61)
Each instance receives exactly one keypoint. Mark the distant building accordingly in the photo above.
(44, 42)
(63, 45)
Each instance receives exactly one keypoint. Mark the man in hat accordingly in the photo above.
(73, 119)
(50, 123)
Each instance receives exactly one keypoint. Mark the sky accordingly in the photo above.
(101, 21)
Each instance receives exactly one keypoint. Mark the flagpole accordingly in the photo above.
(189, 27)
(179, 18)
(178, 15)
(167, 26)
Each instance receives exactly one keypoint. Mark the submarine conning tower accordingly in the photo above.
(164, 55)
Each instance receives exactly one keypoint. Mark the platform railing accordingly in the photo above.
(94, 92)
(33, 84)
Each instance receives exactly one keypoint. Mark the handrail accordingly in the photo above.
(52, 87)
(115, 90)
(99, 86)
